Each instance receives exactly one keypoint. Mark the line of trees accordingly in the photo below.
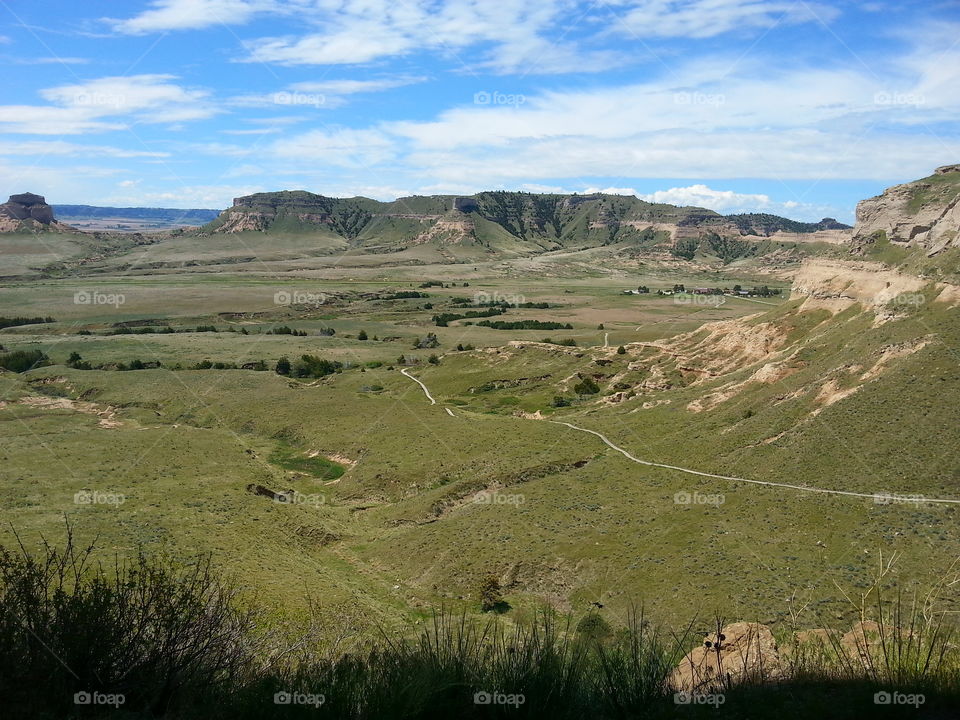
(6, 322)
(525, 325)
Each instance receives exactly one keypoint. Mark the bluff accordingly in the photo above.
(514, 223)
(27, 211)
(923, 214)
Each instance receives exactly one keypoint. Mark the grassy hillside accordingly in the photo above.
(430, 501)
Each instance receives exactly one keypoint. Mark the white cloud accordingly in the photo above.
(56, 184)
(508, 35)
(352, 87)
(342, 147)
(512, 35)
(34, 120)
(322, 94)
(609, 191)
(192, 15)
(165, 101)
(194, 196)
(703, 196)
(709, 18)
(38, 148)
(49, 61)
(107, 104)
(253, 131)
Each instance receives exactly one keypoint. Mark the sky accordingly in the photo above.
(794, 108)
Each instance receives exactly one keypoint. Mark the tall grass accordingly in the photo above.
(175, 641)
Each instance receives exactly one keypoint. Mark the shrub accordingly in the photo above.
(315, 367)
(587, 386)
(525, 325)
(76, 362)
(592, 626)
(22, 360)
(145, 628)
(283, 366)
(430, 341)
(491, 595)
(6, 322)
(621, 350)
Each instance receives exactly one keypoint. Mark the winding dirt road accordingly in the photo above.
(881, 498)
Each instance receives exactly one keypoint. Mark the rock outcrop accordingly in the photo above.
(924, 214)
(27, 211)
(739, 652)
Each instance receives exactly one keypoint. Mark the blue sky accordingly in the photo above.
(795, 108)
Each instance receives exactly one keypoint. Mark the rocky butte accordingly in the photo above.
(27, 211)
(924, 214)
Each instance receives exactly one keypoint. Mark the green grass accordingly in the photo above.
(398, 531)
(290, 458)
(160, 639)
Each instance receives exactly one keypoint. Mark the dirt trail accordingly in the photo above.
(802, 488)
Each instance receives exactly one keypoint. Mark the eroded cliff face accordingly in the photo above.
(514, 222)
(27, 211)
(923, 214)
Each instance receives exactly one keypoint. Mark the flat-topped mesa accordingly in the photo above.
(945, 169)
(923, 214)
(27, 206)
(290, 211)
(515, 223)
(29, 212)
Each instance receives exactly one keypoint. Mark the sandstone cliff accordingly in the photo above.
(27, 211)
(924, 214)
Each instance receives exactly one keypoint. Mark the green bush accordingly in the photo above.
(586, 386)
(22, 360)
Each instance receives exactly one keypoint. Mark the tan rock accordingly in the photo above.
(740, 651)
(863, 642)
(924, 213)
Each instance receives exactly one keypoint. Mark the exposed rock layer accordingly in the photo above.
(924, 213)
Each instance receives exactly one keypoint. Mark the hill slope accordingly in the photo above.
(512, 223)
